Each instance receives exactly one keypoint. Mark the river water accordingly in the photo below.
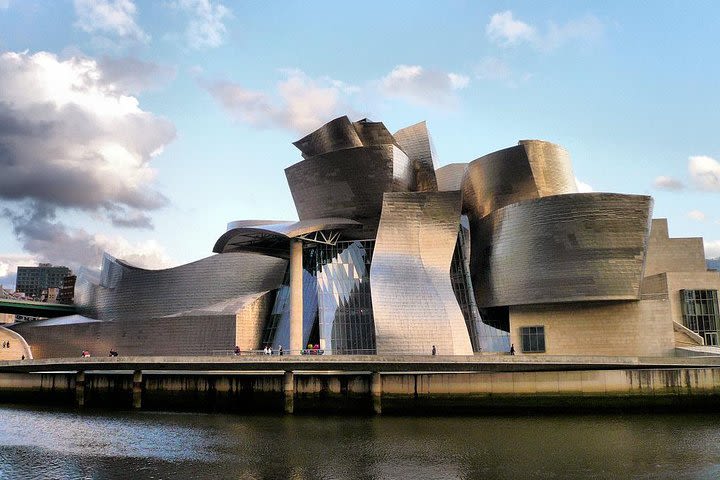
(58, 444)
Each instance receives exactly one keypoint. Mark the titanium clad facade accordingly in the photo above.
(551, 167)
(415, 140)
(130, 292)
(450, 177)
(532, 169)
(564, 248)
(410, 276)
(337, 134)
(349, 183)
(373, 133)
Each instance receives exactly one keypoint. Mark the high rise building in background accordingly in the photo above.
(33, 280)
(392, 255)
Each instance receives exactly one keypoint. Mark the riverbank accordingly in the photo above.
(380, 385)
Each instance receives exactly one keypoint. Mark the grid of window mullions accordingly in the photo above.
(700, 311)
(533, 339)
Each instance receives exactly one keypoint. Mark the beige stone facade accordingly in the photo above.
(665, 254)
(642, 328)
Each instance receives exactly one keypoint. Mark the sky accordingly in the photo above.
(142, 128)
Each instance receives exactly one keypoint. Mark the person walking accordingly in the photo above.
(512, 349)
(434, 350)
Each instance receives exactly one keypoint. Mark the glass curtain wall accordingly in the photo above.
(345, 312)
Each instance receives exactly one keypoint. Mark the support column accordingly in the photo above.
(376, 392)
(137, 389)
(80, 389)
(289, 391)
(296, 296)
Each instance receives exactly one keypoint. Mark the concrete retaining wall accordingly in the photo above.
(446, 393)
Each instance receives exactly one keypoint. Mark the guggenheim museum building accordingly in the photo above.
(392, 255)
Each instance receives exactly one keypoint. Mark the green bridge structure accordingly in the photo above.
(35, 309)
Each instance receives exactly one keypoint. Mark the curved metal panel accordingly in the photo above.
(139, 293)
(373, 133)
(563, 248)
(410, 276)
(532, 169)
(551, 167)
(334, 135)
(244, 234)
(349, 183)
(450, 177)
(415, 140)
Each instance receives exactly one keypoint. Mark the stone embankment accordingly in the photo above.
(388, 385)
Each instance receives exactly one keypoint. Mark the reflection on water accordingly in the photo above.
(37, 444)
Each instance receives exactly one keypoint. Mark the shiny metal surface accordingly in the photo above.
(349, 183)
(563, 248)
(334, 135)
(532, 169)
(186, 310)
(373, 133)
(136, 292)
(272, 236)
(450, 177)
(415, 140)
(414, 305)
(551, 167)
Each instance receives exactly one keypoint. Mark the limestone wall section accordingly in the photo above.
(603, 328)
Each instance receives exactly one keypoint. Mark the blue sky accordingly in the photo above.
(142, 128)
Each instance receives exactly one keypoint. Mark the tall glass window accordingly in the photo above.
(345, 316)
(701, 313)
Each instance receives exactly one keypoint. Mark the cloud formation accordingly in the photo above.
(301, 103)
(206, 28)
(422, 86)
(47, 240)
(705, 172)
(69, 138)
(505, 30)
(114, 17)
(667, 183)
(696, 215)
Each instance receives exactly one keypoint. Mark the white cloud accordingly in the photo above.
(667, 183)
(705, 172)
(504, 30)
(70, 138)
(712, 249)
(582, 186)
(115, 17)
(205, 28)
(696, 215)
(422, 86)
(301, 103)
